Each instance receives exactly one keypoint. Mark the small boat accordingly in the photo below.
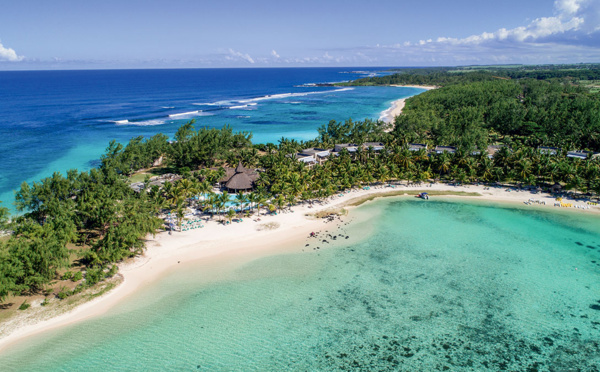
(423, 195)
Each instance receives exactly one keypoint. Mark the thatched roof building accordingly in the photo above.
(240, 178)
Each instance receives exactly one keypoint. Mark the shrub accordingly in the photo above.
(64, 293)
(78, 289)
(45, 302)
(77, 276)
(113, 270)
(93, 276)
(24, 305)
(68, 275)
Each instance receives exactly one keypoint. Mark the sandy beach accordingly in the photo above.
(395, 110)
(427, 87)
(397, 106)
(271, 234)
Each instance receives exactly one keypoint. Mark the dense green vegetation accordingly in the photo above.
(443, 76)
(96, 210)
(530, 105)
(85, 222)
(526, 111)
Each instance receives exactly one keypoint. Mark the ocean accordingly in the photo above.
(52, 121)
(419, 286)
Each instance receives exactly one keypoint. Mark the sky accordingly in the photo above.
(69, 34)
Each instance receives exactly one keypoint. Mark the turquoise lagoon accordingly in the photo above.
(418, 286)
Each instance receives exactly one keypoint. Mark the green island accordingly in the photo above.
(534, 127)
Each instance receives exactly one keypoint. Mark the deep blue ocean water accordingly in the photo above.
(57, 120)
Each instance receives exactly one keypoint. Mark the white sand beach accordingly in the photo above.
(255, 238)
(395, 110)
(427, 87)
(397, 106)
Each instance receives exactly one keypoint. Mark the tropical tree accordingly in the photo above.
(230, 214)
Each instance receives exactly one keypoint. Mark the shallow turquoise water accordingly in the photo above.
(435, 285)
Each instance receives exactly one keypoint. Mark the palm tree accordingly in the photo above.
(260, 201)
(404, 158)
(280, 202)
(223, 200)
(230, 214)
(179, 210)
(443, 163)
(241, 199)
(485, 169)
(210, 204)
(250, 199)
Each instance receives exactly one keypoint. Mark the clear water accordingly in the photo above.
(57, 120)
(432, 286)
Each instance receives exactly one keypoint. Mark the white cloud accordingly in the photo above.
(567, 6)
(571, 34)
(234, 55)
(575, 22)
(274, 54)
(8, 54)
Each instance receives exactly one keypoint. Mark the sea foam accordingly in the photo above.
(287, 95)
(189, 113)
(147, 123)
(243, 106)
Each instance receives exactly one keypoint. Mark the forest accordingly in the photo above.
(529, 112)
(77, 227)
(443, 76)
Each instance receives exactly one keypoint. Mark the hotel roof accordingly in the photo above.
(417, 146)
(440, 149)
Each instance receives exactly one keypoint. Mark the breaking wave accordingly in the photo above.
(189, 113)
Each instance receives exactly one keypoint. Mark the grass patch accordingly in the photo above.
(12, 318)
(107, 287)
(158, 171)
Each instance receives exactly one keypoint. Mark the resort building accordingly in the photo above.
(316, 155)
(442, 149)
(350, 147)
(319, 155)
(417, 146)
(377, 146)
(239, 178)
(549, 150)
(306, 159)
(580, 154)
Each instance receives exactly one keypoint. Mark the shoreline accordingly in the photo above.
(395, 109)
(273, 234)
